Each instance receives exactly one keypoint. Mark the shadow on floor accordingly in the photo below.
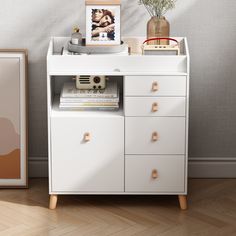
(37, 195)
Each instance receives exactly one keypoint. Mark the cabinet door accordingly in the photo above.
(87, 154)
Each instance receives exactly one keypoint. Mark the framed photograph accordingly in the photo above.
(13, 118)
(103, 24)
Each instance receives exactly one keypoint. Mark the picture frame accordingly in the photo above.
(13, 118)
(103, 22)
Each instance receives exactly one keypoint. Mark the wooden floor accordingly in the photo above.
(212, 211)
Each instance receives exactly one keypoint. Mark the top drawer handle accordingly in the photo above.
(155, 86)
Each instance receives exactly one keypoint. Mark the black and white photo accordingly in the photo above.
(103, 25)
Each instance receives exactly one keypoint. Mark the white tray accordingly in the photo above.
(96, 49)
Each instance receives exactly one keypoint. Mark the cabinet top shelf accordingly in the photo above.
(135, 43)
(116, 64)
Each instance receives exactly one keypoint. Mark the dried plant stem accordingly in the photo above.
(158, 7)
(149, 11)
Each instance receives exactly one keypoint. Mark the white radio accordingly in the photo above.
(90, 82)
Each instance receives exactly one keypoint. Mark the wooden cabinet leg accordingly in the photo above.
(183, 202)
(53, 202)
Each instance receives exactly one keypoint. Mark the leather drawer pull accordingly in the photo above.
(155, 107)
(155, 86)
(87, 137)
(154, 174)
(155, 137)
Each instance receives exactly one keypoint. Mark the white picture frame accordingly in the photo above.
(103, 25)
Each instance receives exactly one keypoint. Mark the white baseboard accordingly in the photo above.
(198, 167)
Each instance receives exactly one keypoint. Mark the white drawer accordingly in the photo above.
(155, 135)
(155, 86)
(87, 166)
(164, 174)
(155, 106)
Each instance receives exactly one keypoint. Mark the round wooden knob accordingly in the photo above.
(155, 86)
(155, 136)
(155, 107)
(87, 137)
(154, 174)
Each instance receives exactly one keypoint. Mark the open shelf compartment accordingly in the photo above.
(56, 85)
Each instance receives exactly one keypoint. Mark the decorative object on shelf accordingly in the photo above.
(76, 37)
(172, 49)
(90, 82)
(158, 26)
(13, 118)
(103, 22)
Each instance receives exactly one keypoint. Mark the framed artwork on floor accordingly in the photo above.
(103, 22)
(13, 118)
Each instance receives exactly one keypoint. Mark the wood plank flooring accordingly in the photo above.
(212, 211)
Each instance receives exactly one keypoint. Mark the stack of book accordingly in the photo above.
(80, 99)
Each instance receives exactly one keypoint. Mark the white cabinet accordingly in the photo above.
(140, 149)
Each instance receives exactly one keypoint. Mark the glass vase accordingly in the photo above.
(158, 27)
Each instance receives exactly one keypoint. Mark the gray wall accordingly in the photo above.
(210, 26)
